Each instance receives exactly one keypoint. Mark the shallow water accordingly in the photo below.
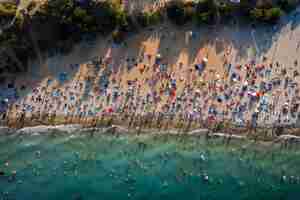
(79, 166)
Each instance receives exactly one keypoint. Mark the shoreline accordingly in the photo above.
(121, 129)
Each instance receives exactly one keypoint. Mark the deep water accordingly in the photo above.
(80, 167)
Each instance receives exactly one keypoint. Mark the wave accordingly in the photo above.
(46, 129)
(119, 130)
(6, 130)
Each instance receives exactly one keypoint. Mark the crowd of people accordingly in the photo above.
(253, 93)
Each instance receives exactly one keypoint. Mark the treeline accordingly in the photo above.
(62, 23)
(214, 11)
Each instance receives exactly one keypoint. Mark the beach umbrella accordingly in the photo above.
(108, 54)
(205, 59)
(258, 94)
(109, 110)
(98, 109)
(63, 76)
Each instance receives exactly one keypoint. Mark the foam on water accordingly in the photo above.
(78, 166)
(46, 129)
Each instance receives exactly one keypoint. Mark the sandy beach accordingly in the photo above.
(236, 73)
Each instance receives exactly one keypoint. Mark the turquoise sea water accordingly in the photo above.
(144, 167)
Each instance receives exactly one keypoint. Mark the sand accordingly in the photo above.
(238, 44)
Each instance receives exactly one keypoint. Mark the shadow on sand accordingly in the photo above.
(247, 43)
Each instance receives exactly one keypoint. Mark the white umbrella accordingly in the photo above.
(108, 54)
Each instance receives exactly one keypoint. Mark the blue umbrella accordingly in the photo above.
(62, 76)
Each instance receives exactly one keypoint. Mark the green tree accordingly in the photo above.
(143, 19)
(287, 5)
(155, 17)
(257, 13)
(148, 18)
(118, 36)
(273, 14)
(205, 6)
(205, 11)
(226, 10)
(79, 13)
(7, 9)
(176, 12)
(270, 15)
